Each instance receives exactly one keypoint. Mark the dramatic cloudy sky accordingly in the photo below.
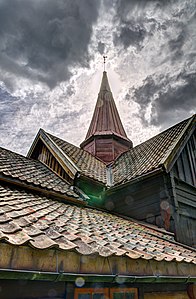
(51, 65)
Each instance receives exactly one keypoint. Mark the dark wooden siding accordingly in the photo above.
(185, 166)
(43, 154)
(90, 147)
(186, 226)
(24, 289)
(184, 172)
(106, 148)
(141, 200)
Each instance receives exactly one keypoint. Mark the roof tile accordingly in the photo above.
(88, 164)
(86, 230)
(32, 172)
(148, 155)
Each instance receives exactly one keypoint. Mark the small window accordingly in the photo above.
(123, 293)
(91, 293)
(106, 293)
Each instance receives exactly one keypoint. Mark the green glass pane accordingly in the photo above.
(118, 295)
(84, 296)
(98, 296)
(129, 296)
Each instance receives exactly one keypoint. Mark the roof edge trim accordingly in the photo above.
(54, 147)
(33, 145)
(89, 277)
(70, 162)
(45, 192)
(123, 183)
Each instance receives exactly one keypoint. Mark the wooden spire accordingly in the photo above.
(106, 137)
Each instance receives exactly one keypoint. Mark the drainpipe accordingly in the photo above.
(63, 276)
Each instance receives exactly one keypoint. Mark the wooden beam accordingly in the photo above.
(52, 264)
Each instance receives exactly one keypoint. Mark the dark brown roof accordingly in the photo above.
(105, 117)
(42, 223)
(85, 162)
(151, 154)
(32, 172)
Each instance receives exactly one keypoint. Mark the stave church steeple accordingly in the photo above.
(106, 138)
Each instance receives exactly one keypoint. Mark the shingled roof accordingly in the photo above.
(152, 154)
(87, 164)
(106, 119)
(44, 223)
(32, 172)
(156, 153)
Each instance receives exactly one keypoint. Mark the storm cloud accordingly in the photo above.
(41, 40)
(51, 65)
(162, 34)
(160, 96)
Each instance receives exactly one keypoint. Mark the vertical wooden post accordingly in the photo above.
(191, 291)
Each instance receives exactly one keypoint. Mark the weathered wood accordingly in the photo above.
(191, 290)
(55, 261)
(23, 289)
(185, 166)
(168, 295)
(106, 148)
(140, 200)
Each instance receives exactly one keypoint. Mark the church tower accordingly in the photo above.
(106, 138)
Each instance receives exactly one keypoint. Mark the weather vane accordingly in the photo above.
(104, 59)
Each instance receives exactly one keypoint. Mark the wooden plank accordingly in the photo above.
(186, 165)
(168, 295)
(180, 169)
(192, 160)
(23, 257)
(21, 289)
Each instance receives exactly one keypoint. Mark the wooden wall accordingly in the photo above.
(43, 154)
(24, 289)
(106, 148)
(140, 200)
(184, 172)
(185, 166)
(168, 295)
(186, 212)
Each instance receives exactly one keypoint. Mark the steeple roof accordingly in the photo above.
(106, 119)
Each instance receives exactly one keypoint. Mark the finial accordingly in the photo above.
(104, 58)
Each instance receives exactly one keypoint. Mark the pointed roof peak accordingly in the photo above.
(106, 119)
(104, 83)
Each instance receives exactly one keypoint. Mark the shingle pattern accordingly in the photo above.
(32, 172)
(148, 155)
(42, 223)
(88, 164)
(105, 117)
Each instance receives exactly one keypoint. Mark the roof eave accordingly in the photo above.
(122, 184)
(90, 277)
(40, 190)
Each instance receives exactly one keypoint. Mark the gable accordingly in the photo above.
(31, 174)
(44, 154)
(72, 159)
(157, 153)
(185, 166)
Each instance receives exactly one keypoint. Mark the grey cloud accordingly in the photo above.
(40, 40)
(130, 34)
(165, 30)
(133, 24)
(8, 106)
(172, 98)
(101, 48)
